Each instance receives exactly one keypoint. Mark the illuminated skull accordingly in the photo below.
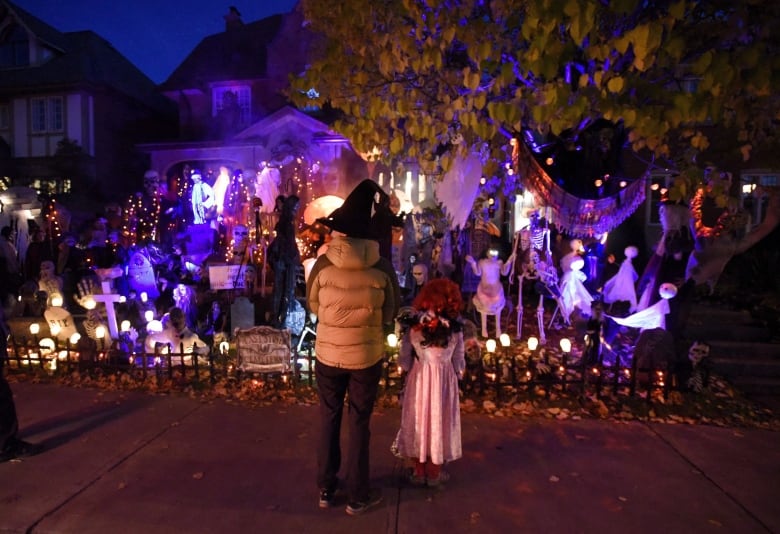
(240, 235)
(151, 183)
(698, 352)
(667, 290)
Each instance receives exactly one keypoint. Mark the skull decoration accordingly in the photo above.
(240, 237)
(698, 352)
(151, 183)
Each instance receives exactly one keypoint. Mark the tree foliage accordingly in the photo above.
(426, 79)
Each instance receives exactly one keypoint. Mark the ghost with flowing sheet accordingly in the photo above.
(622, 286)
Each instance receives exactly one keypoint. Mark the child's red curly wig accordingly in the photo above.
(440, 295)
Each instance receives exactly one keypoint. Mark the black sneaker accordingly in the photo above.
(361, 507)
(327, 497)
(18, 448)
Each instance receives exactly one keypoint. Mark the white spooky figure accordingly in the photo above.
(489, 298)
(622, 286)
(202, 198)
(574, 294)
(655, 315)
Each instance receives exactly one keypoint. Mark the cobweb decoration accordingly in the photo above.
(577, 217)
(459, 187)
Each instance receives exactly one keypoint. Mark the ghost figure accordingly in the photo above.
(140, 274)
(267, 186)
(576, 250)
(655, 315)
(621, 287)
(574, 294)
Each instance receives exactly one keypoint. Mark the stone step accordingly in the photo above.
(727, 331)
(719, 315)
(766, 388)
(744, 350)
(734, 368)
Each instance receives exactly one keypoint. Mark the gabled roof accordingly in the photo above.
(40, 29)
(237, 54)
(79, 58)
(286, 119)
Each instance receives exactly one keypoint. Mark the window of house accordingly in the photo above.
(14, 47)
(236, 95)
(5, 122)
(754, 198)
(47, 114)
(51, 186)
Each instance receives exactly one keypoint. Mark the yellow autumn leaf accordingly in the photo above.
(615, 85)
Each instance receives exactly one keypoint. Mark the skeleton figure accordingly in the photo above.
(50, 282)
(700, 374)
(545, 276)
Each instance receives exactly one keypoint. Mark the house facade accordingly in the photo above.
(233, 113)
(72, 110)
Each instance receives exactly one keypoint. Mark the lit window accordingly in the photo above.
(239, 95)
(47, 114)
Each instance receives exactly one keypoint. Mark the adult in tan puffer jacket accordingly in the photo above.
(355, 294)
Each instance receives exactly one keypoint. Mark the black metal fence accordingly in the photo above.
(502, 375)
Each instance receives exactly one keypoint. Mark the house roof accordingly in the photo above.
(79, 58)
(40, 29)
(239, 53)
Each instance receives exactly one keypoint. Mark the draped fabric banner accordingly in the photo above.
(578, 217)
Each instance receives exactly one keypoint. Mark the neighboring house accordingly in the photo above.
(233, 113)
(72, 109)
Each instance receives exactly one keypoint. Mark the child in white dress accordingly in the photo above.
(432, 353)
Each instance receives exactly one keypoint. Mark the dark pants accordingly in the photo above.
(333, 384)
(8, 422)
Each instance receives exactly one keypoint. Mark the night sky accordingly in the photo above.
(155, 35)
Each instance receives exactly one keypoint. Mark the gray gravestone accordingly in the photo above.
(242, 313)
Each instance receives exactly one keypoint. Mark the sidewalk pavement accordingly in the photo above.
(133, 462)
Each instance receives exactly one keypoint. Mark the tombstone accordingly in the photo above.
(60, 317)
(242, 313)
(263, 349)
(140, 274)
(654, 351)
